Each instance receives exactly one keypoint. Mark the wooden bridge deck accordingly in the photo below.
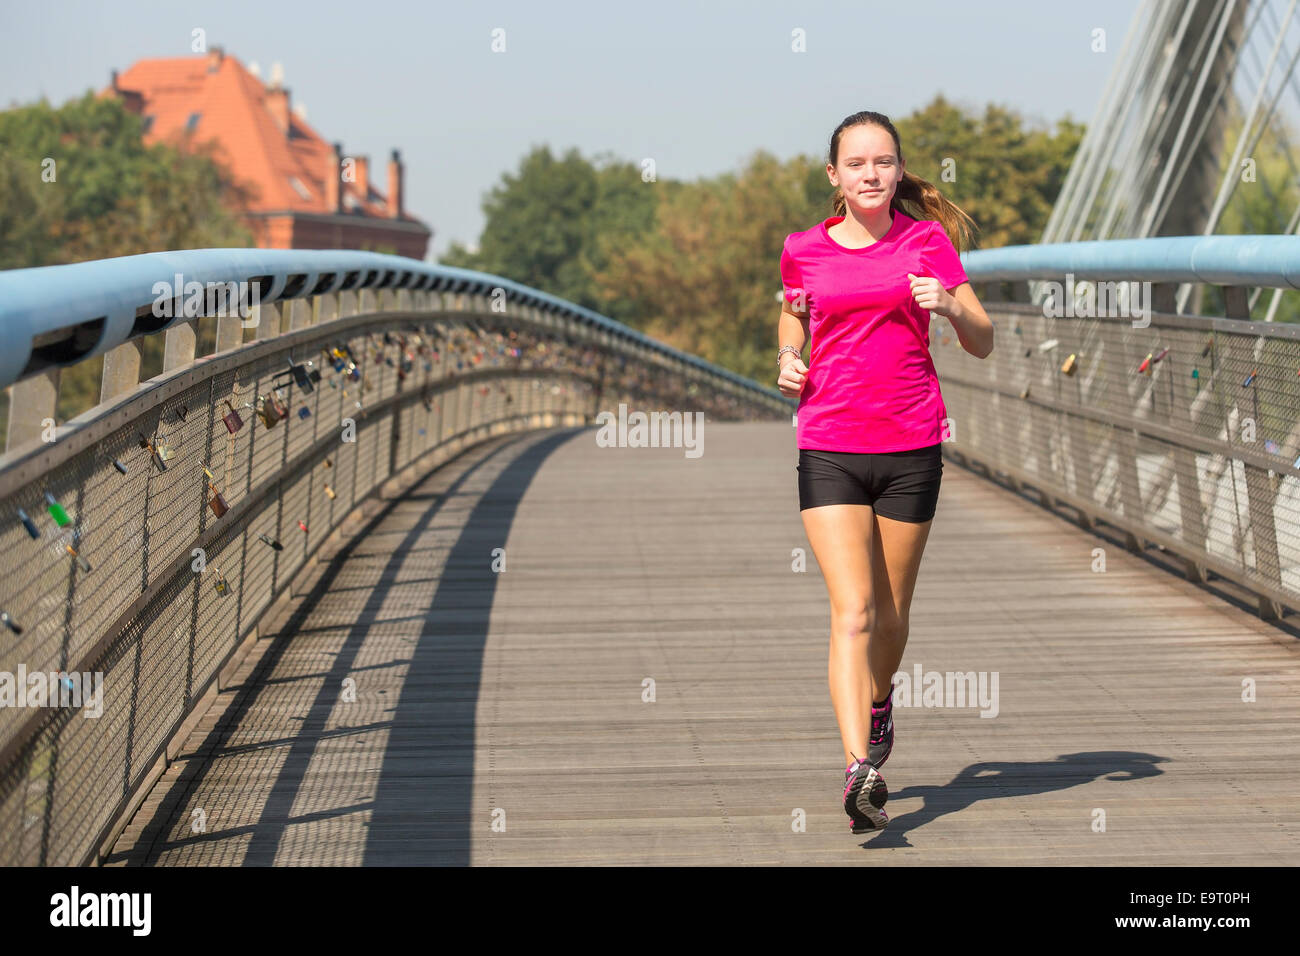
(499, 716)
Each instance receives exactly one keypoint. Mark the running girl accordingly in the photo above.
(871, 419)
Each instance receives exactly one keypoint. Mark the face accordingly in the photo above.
(868, 169)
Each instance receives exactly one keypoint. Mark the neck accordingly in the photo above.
(872, 225)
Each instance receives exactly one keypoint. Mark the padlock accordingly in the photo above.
(9, 622)
(329, 463)
(29, 524)
(233, 422)
(301, 378)
(217, 503)
(164, 453)
(153, 453)
(56, 511)
(181, 412)
(1249, 378)
(302, 525)
(81, 562)
(117, 463)
(221, 585)
(330, 491)
(281, 408)
(266, 411)
(304, 412)
(1069, 366)
(271, 541)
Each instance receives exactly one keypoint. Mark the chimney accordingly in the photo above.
(215, 56)
(277, 101)
(333, 180)
(115, 79)
(395, 186)
(363, 177)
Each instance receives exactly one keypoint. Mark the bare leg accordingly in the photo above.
(870, 564)
(897, 547)
(841, 539)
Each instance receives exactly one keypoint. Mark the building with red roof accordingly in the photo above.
(309, 195)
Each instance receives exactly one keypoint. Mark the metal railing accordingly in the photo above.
(144, 541)
(1179, 430)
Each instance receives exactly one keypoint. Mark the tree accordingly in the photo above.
(78, 183)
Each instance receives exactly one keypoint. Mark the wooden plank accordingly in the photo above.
(522, 690)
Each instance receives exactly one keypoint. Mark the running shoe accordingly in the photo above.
(881, 743)
(865, 794)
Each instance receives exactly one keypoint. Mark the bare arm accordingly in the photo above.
(792, 329)
(969, 320)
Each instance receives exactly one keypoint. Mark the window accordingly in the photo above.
(299, 188)
(192, 123)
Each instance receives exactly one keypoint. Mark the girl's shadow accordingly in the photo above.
(991, 780)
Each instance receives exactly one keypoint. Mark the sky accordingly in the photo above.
(696, 86)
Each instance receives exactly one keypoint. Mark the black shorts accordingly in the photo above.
(903, 485)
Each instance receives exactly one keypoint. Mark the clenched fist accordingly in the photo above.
(930, 294)
(793, 374)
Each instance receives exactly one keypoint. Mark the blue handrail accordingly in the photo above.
(39, 301)
(1270, 261)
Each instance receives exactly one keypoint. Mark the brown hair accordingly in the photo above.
(923, 199)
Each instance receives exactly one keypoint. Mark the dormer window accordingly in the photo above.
(298, 187)
(192, 123)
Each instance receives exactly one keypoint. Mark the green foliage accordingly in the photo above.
(78, 183)
(1261, 203)
(1004, 176)
(696, 264)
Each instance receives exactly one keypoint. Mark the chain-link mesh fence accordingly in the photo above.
(1185, 432)
(142, 552)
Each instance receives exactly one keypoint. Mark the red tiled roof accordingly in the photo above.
(234, 111)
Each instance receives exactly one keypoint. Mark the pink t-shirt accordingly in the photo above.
(871, 384)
